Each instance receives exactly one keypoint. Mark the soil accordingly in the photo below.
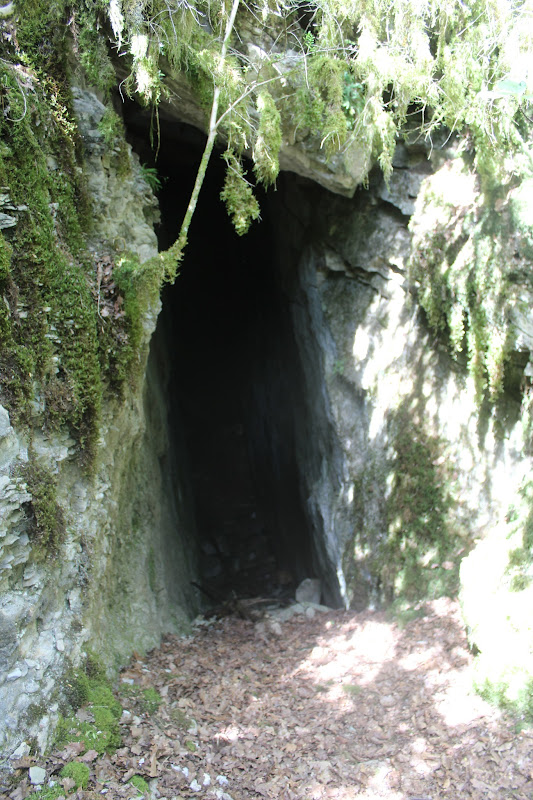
(337, 706)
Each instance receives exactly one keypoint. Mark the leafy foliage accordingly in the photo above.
(151, 177)
(365, 67)
(238, 196)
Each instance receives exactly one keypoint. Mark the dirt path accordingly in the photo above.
(342, 705)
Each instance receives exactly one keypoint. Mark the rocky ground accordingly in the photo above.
(320, 704)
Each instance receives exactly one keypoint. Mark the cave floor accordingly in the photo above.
(339, 705)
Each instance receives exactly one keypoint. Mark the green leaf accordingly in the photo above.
(510, 88)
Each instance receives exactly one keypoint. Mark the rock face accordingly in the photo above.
(406, 469)
(115, 583)
(397, 468)
(125, 208)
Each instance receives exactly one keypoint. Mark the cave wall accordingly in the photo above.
(407, 470)
(120, 576)
(422, 487)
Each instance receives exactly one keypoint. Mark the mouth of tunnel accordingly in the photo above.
(234, 388)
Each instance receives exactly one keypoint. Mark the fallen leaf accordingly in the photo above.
(89, 756)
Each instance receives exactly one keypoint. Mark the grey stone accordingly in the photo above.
(22, 750)
(309, 591)
(16, 673)
(403, 188)
(6, 221)
(8, 642)
(9, 446)
(361, 350)
(299, 153)
(5, 424)
(37, 776)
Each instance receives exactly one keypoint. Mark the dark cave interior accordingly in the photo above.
(235, 381)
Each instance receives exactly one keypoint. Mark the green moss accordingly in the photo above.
(499, 693)
(146, 700)
(266, 150)
(102, 696)
(6, 252)
(99, 729)
(91, 47)
(318, 104)
(139, 286)
(238, 196)
(407, 543)
(140, 784)
(112, 129)
(50, 333)
(94, 669)
(464, 261)
(520, 520)
(78, 772)
(48, 793)
(150, 700)
(49, 519)
(102, 735)
(152, 572)
(42, 35)
(54, 341)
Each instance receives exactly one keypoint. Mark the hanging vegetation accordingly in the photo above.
(356, 71)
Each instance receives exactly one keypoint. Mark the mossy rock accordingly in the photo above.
(102, 735)
(78, 772)
(97, 724)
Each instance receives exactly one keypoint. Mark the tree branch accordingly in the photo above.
(176, 251)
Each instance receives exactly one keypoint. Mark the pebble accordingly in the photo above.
(37, 775)
(388, 701)
(274, 627)
(15, 674)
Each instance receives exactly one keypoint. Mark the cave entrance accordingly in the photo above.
(234, 387)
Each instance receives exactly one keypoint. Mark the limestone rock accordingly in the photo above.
(402, 189)
(309, 591)
(37, 776)
(122, 202)
(9, 445)
(21, 751)
(52, 608)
